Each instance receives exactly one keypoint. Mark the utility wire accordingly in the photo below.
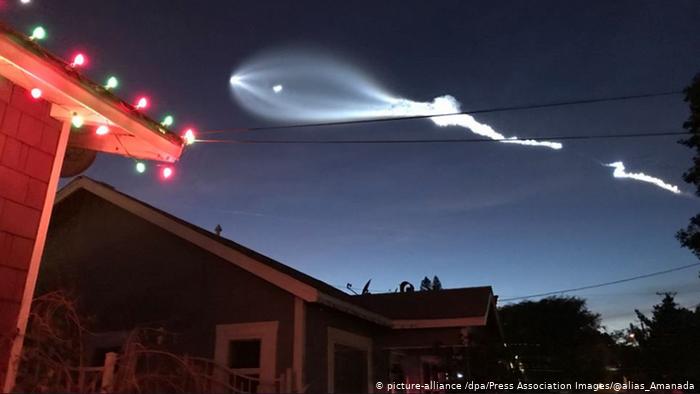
(615, 282)
(450, 140)
(468, 112)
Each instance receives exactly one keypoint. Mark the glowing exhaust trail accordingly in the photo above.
(307, 86)
(448, 104)
(620, 172)
(320, 89)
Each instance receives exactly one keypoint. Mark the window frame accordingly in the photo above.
(266, 333)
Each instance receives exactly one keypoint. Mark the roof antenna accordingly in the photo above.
(218, 229)
(349, 287)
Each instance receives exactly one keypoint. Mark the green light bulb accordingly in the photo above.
(39, 33)
(112, 82)
(77, 121)
(168, 121)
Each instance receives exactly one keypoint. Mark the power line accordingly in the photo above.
(467, 112)
(615, 282)
(451, 140)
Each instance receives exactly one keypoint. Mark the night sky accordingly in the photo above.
(524, 220)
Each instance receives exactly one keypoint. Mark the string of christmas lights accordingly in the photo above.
(80, 60)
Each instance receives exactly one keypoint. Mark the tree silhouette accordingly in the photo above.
(556, 339)
(436, 285)
(690, 236)
(429, 285)
(425, 284)
(668, 342)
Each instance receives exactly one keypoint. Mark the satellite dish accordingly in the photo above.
(76, 160)
(365, 290)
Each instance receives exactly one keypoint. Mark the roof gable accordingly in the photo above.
(287, 278)
(424, 309)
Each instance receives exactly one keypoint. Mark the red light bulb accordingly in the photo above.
(36, 93)
(167, 172)
(142, 103)
(78, 60)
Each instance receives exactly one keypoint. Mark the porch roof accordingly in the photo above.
(133, 134)
(418, 305)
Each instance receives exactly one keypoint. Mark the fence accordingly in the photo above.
(158, 371)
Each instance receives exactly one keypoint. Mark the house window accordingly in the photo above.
(244, 354)
(349, 362)
(244, 359)
(249, 350)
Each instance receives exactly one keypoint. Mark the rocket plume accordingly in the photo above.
(306, 86)
(448, 104)
(620, 172)
(315, 88)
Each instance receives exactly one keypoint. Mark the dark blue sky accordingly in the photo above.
(523, 220)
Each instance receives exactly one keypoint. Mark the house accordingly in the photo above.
(132, 264)
(40, 97)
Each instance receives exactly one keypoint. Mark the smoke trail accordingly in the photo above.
(312, 87)
(304, 86)
(448, 104)
(620, 172)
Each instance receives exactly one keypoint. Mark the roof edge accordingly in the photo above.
(299, 289)
(142, 210)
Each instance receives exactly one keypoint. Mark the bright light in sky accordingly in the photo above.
(326, 90)
(620, 172)
(234, 80)
(447, 105)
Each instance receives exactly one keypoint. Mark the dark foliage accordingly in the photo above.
(664, 347)
(425, 284)
(690, 236)
(436, 285)
(428, 285)
(557, 339)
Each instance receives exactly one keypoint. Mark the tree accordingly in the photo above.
(557, 339)
(668, 342)
(436, 285)
(690, 236)
(425, 284)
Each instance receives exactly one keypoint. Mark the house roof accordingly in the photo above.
(442, 304)
(468, 306)
(445, 308)
(133, 134)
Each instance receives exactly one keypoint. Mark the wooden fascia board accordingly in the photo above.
(49, 77)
